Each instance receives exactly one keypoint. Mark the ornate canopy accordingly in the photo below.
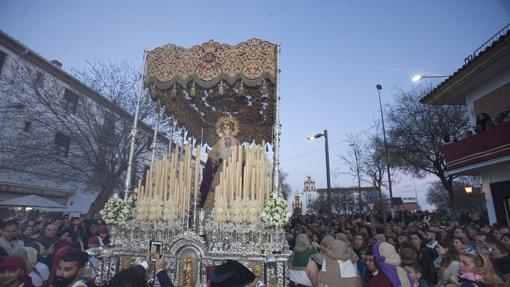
(200, 84)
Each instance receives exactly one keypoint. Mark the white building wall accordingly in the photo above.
(12, 123)
(488, 86)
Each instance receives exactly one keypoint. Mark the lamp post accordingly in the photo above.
(330, 206)
(379, 88)
(419, 77)
(359, 178)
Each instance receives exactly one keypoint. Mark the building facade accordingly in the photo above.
(347, 199)
(43, 142)
(305, 202)
(483, 85)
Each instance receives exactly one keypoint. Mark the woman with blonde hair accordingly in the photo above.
(476, 270)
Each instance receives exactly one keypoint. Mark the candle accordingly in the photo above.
(239, 166)
(188, 177)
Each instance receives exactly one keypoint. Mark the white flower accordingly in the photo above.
(274, 214)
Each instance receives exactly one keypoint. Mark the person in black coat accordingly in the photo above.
(231, 274)
(135, 275)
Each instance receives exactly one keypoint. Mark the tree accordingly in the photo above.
(343, 202)
(370, 159)
(369, 152)
(91, 146)
(437, 195)
(284, 186)
(418, 132)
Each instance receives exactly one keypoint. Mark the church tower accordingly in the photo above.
(297, 205)
(310, 193)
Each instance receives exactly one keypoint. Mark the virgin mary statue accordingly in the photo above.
(227, 129)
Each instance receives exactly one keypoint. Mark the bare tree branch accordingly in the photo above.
(418, 132)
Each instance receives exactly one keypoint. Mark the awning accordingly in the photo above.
(31, 201)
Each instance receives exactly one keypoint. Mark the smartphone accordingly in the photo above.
(155, 248)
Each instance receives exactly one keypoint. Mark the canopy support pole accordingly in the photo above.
(171, 136)
(134, 129)
(155, 138)
(277, 127)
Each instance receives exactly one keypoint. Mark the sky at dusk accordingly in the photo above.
(333, 54)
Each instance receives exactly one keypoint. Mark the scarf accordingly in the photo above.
(472, 276)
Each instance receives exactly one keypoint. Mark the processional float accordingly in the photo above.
(225, 206)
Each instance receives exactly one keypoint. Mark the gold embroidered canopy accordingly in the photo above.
(200, 84)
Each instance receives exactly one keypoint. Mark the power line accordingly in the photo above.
(374, 125)
(309, 153)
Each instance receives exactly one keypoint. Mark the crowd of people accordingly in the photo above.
(412, 249)
(51, 251)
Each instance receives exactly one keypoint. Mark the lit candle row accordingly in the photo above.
(171, 179)
(245, 175)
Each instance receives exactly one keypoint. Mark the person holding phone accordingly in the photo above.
(161, 273)
(135, 275)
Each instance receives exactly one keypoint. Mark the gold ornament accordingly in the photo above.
(227, 126)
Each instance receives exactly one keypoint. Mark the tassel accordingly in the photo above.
(174, 91)
(241, 88)
(193, 91)
(264, 87)
(221, 89)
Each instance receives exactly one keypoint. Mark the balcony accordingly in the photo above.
(485, 148)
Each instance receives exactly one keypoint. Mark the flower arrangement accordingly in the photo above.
(117, 211)
(275, 212)
(141, 209)
(170, 211)
(252, 210)
(148, 209)
(221, 210)
(237, 211)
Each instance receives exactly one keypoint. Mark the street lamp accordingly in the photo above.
(359, 178)
(379, 88)
(419, 77)
(330, 206)
(468, 189)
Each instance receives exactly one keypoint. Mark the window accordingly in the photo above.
(62, 143)
(106, 132)
(3, 56)
(70, 101)
(27, 126)
(109, 121)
